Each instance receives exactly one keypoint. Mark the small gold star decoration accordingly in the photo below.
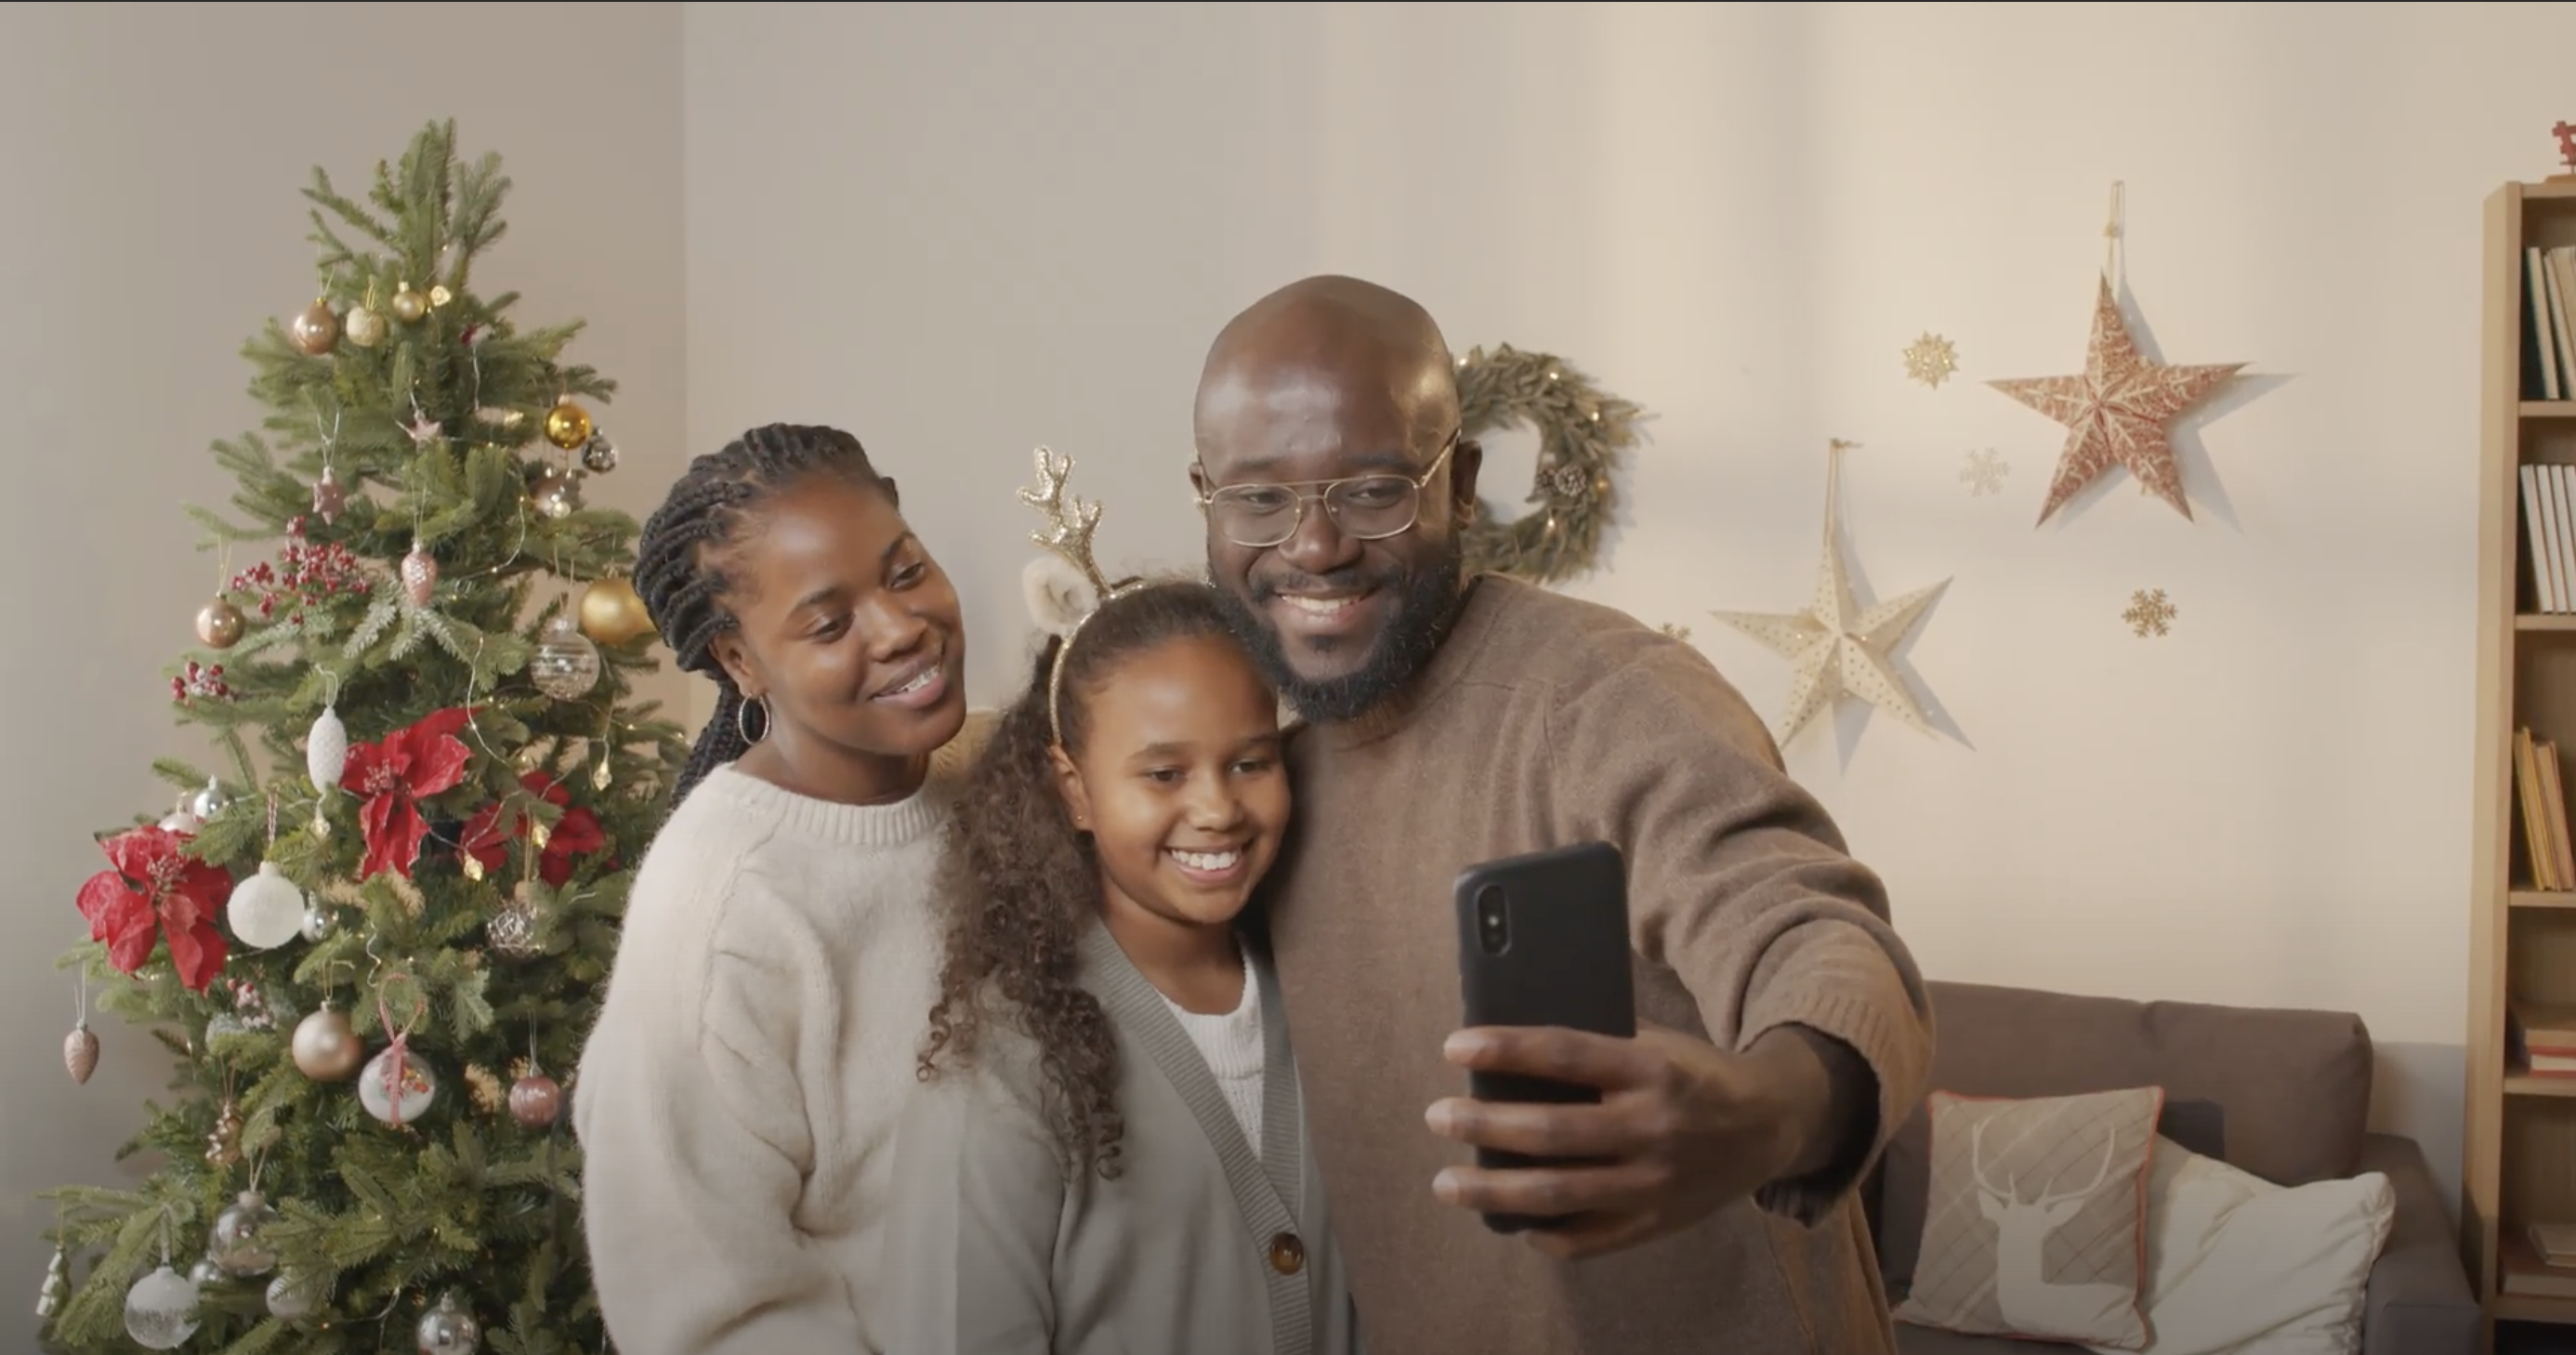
(2118, 412)
(1931, 360)
(1837, 648)
(2150, 613)
(1984, 472)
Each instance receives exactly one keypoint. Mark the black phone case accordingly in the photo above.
(1564, 962)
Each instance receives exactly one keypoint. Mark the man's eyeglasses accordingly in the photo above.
(1362, 507)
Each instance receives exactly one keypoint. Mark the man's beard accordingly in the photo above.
(1426, 601)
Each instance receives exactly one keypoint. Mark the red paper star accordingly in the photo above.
(158, 890)
(409, 766)
(2116, 413)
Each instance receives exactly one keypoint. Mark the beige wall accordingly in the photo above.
(152, 157)
(965, 230)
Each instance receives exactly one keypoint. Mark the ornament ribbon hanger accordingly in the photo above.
(397, 1054)
(2114, 261)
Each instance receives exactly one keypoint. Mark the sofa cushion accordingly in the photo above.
(2037, 1226)
(2284, 1094)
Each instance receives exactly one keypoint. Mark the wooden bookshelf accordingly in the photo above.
(2520, 1154)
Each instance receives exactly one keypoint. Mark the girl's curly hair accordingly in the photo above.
(1027, 884)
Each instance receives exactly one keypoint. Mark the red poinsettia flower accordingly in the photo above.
(408, 766)
(576, 832)
(157, 890)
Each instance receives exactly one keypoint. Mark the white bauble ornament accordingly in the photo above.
(448, 1330)
(235, 1244)
(267, 909)
(161, 1310)
(396, 1105)
(326, 750)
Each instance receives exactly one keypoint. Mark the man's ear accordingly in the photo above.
(1068, 784)
(893, 495)
(1464, 461)
(730, 655)
(1198, 479)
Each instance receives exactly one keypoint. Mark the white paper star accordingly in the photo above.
(1837, 648)
(423, 430)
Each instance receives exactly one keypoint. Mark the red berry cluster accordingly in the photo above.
(200, 682)
(306, 575)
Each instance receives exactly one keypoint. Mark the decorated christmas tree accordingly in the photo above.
(375, 930)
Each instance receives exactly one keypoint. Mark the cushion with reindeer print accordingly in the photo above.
(2035, 1226)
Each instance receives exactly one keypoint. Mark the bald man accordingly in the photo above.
(1784, 1031)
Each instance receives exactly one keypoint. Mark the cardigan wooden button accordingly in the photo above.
(1287, 1254)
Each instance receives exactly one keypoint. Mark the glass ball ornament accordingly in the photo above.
(318, 923)
(314, 330)
(568, 425)
(612, 613)
(209, 801)
(512, 932)
(206, 1273)
(566, 664)
(397, 1101)
(535, 1100)
(267, 910)
(448, 1330)
(599, 455)
(161, 1309)
(220, 624)
(292, 1295)
(554, 494)
(236, 1242)
(409, 305)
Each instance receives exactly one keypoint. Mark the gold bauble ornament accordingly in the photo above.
(409, 305)
(612, 613)
(568, 425)
(315, 330)
(220, 624)
(366, 327)
(326, 1048)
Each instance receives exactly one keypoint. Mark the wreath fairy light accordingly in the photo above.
(1581, 429)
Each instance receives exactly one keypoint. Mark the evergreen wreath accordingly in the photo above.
(1582, 429)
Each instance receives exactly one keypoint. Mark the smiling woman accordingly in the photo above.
(752, 1058)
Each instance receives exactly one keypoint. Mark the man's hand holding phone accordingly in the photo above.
(1682, 1128)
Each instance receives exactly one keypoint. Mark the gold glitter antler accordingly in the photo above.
(1070, 520)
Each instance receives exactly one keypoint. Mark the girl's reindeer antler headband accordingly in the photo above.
(1064, 587)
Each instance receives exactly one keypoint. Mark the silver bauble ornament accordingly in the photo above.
(599, 455)
(209, 802)
(448, 1330)
(292, 1295)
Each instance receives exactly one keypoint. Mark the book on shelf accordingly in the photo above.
(2532, 1268)
(2549, 535)
(2544, 812)
(2549, 279)
(2541, 1039)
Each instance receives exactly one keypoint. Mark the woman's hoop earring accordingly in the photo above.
(742, 719)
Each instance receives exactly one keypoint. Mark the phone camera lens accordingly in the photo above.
(1493, 922)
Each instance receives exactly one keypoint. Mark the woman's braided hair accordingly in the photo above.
(680, 559)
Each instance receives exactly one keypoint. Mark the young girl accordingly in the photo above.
(1110, 1157)
(737, 1099)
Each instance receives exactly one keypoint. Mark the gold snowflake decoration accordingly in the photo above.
(1985, 471)
(2150, 612)
(1931, 359)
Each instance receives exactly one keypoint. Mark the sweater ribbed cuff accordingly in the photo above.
(1861, 1022)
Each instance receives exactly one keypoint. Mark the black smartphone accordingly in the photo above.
(1543, 941)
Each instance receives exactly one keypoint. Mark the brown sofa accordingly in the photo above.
(2282, 1094)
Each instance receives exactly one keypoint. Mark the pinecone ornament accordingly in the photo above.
(80, 1052)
